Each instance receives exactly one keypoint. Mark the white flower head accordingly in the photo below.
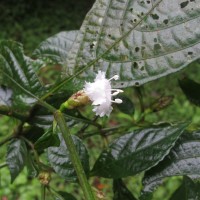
(101, 93)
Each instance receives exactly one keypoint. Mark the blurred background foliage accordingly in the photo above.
(32, 21)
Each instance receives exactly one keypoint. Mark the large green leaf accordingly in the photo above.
(184, 159)
(57, 47)
(137, 151)
(18, 74)
(188, 190)
(121, 192)
(60, 160)
(16, 157)
(138, 40)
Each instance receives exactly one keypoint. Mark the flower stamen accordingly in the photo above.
(101, 93)
(115, 77)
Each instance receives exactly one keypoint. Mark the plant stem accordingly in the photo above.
(3, 165)
(74, 156)
(43, 192)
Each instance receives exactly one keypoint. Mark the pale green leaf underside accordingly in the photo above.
(165, 41)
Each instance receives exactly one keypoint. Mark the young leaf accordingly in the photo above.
(188, 190)
(143, 43)
(121, 191)
(16, 157)
(57, 47)
(60, 160)
(191, 90)
(137, 151)
(183, 160)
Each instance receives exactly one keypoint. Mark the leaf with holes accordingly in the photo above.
(137, 151)
(57, 47)
(183, 159)
(60, 160)
(191, 90)
(139, 40)
(121, 191)
(16, 157)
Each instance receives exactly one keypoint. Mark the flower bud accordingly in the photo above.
(44, 178)
(76, 100)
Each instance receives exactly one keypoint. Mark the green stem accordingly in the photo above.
(3, 165)
(43, 192)
(74, 156)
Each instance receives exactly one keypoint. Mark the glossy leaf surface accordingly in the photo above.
(18, 74)
(137, 151)
(184, 159)
(60, 160)
(16, 157)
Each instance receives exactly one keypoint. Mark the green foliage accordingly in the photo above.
(121, 191)
(137, 150)
(59, 159)
(147, 41)
(182, 158)
(56, 48)
(188, 190)
(16, 157)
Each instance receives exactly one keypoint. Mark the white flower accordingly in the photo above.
(101, 93)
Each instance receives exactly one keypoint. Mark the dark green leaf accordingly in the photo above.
(17, 68)
(121, 192)
(16, 157)
(191, 90)
(60, 160)
(188, 190)
(137, 151)
(142, 43)
(127, 106)
(57, 47)
(48, 139)
(18, 74)
(31, 166)
(184, 159)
